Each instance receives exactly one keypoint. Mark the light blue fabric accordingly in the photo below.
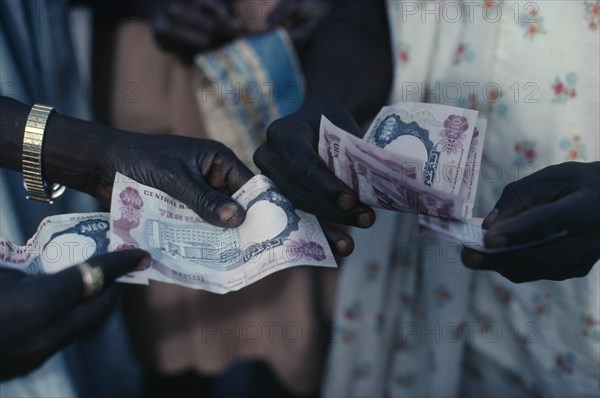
(38, 65)
(261, 80)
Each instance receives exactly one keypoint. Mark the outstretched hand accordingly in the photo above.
(559, 200)
(41, 314)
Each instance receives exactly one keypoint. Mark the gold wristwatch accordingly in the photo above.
(33, 139)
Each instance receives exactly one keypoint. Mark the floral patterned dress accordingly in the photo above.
(411, 320)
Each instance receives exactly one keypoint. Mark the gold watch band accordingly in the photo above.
(33, 139)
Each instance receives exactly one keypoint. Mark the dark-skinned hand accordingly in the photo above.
(189, 27)
(86, 156)
(201, 173)
(564, 197)
(290, 158)
(43, 313)
(300, 18)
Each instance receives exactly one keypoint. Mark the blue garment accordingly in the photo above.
(38, 65)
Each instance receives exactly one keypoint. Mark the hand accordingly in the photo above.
(188, 27)
(41, 314)
(301, 19)
(290, 159)
(200, 173)
(565, 197)
(85, 156)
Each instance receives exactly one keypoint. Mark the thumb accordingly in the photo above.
(521, 195)
(215, 207)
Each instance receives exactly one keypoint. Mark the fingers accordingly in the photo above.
(541, 187)
(331, 200)
(226, 172)
(194, 26)
(290, 159)
(117, 264)
(81, 319)
(37, 345)
(304, 171)
(43, 298)
(293, 141)
(537, 222)
(340, 242)
(215, 207)
(554, 260)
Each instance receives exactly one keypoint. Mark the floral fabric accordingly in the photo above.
(410, 319)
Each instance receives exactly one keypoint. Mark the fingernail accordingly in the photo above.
(490, 218)
(144, 263)
(494, 239)
(346, 201)
(341, 246)
(365, 220)
(227, 212)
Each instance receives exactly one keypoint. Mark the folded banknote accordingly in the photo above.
(471, 235)
(188, 251)
(421, 158)
(185, 249)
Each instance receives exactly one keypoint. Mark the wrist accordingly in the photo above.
(316, 105)
(74, 152)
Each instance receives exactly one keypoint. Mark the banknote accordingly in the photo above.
(438, 137)
(190, 252)
(471, 235)
(60, 241)
(390, 180)
(185, 249)
(385, 180)
(468, 188)
(330, 137)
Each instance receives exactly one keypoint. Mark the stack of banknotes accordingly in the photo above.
(416, 157)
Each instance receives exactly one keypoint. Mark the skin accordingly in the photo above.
(189, 27)
(186, 28)
(564, 197)
(348, 72)
(85, 156)
(351, 46)
(43, 313)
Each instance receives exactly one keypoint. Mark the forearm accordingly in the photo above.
(72, 150)
(349, 61)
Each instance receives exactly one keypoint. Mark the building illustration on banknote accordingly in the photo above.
(201, 244)
(224, 248)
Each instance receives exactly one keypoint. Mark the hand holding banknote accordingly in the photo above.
(201, 173)
(290, 159)
(40, 314)
(557, 209)
(85, 156)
